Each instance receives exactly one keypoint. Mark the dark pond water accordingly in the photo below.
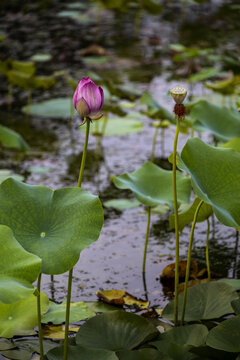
(115, 260)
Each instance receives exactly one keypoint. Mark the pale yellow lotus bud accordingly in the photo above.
(178, 94)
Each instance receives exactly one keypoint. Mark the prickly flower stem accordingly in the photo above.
(146, 239)
(189, 261)
(40, 336)
(71, 271)
(207, 250)
(176, 224)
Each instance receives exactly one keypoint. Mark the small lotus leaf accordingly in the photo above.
(115, 126)
(215, 177)
(154, 110)
(152, 185)
(41, 57)
(221, 121)
(79, 352)
(19, 269)
(19, 317)
(205, 301)
(54, 108)
(11, 139)
(186, 217)
(6, 344)
(57, 313)
(54, 225)
(226, 335)
(116, 330)
(17, 354)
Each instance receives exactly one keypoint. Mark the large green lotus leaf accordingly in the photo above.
(152, 185)
(54, 108)
(16, 318)
(143, 354)
(190, 335)
(226, 335)
(115, 330)
(154, 110)
(11, 139)
(55, 225)
(79, 352)
(115, 126)
(57, 313)
(186, 216)
(215, 177)
(221, 121)
(18, 270)
(204, 301)
(236, 306)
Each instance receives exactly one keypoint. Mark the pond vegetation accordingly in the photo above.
(119, 189)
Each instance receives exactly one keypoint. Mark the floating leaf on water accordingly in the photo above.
(204, 302)
(116, 330)
(33, 345)
(39, 169)
(115, 126)
(67, 220)
(41, 57)
(19, 269)
(154, 110)
(78, 352)
(99, 307)
(152, 185)
(215, 178)
(121, 204)
(221, 121)
(57, 313)
(169, 271)
(54, 108)
(17, 354)
(57, 332)
(225, 336)
(11, 139)
(121, 297)
(95, 60)
(186, 217)
(21, 317)
(6, 344)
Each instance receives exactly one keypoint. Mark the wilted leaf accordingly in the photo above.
(169, 271)
(57, 332)
(121, 297)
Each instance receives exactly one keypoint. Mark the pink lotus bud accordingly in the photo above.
(88, 98)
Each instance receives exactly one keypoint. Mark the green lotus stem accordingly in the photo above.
(84, 154)
(207, 250)
(176, 224)
(70, 275)
(154, 144)
(189, 260)
(40, 336)
(146, 239)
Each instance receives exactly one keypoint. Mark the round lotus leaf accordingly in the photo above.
(54, 225)
(205, 301)
(79, 352)
(152, 185)
(226, 335)
(221, 121)
(17, 318)
(115, 330)
(57, 313)
(18, 270)
(216, 178)
(115, 126)
(54, 108)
